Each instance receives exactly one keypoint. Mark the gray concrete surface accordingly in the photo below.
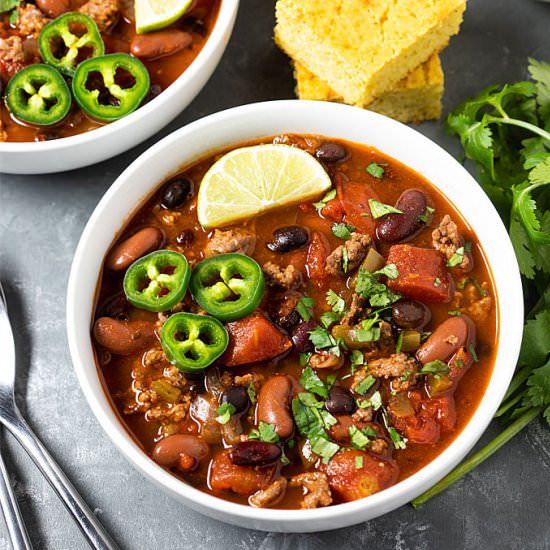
(503, 504)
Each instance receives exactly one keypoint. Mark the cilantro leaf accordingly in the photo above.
(435, 367)
(365, 385)
(265, 432)
(379, 209)
(540, 73)
(377, 293)
(304, 306)
(343, 230)
(538, 387)
(335, 302)
(310, 381)
(331, 194)
(225, 411)
(7, 5)
(535, 346)
(375, 170)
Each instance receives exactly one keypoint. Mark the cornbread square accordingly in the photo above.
(415, 98)
(363, 48)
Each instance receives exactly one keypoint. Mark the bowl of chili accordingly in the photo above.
(225, 131)
(91, 99)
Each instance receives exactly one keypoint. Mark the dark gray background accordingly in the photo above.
(503, 504)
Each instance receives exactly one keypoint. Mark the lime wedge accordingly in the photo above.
(152, 15)
(251, 180)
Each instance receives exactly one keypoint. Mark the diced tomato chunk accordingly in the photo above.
(317, 254)
(243, 480)
(354, 197)
(422, 274)
(254, 338)
(333, 210)
(442, 410)
(355, 474)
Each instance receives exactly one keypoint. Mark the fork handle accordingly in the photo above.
(90, 526)
(14, 521)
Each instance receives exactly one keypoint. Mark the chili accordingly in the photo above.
(158, 281)
(192, 342)
(228, 286)
(111, 86)
(39, 95)
(62, 44)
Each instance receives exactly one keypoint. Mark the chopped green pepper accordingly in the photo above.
(111, 86)
(39, 95)
(192, 342)
(68, 40)
(228, 286)
(158, 281)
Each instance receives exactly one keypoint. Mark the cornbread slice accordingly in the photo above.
(363, 48)
(415, 98)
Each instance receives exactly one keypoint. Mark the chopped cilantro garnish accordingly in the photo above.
(265, 432)
(377, 293)
(405, 376)
(456, 258)
(471, 281)
(379, 209)
(459, 364)
(345, 260)
(472, 350)
(304, 358)
(365, 385)
(343, 230)
(331, 378)
(399, 442)
(335, 302)
(329, 317)
(357, 438)
(356, 358)
(224, 411)
(310, 381)
(251, 393)
(399, 344)
(454, 313)
(321, 338)
(376, 400)
(427, 213)
(358, 462)
(435, 367)
(331, 194)
(304, 307)
(375, 170)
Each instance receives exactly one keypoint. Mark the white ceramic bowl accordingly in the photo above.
(110, 140)
(230, 128)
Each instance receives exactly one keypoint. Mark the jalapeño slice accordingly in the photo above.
(39, 95)
(192, 342)
(111, 86)
(68, 40)
(228, 286)
(158, 281)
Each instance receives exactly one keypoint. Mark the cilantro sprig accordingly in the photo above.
(505, 133)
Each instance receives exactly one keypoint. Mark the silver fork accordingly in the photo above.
(13, 420)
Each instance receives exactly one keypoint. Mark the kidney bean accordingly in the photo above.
(128, 251)
(176, 193)
(54, 8)
(451, 335)
(159, 44)
(288, 238)
(300, 337)
(254, 453)
(274, 404)
(238, 397)
(331, 152)
(410, 314)
(340, 401)
(402, 227)
(170, 450)
(123, 337)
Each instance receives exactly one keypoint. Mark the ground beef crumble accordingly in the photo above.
(30, 20)
(232, 240)
(12, 56)
(393, 366)
(104, 12)
(357, 247)
(289, 277)
(356, 310)
(317, 489)
(270, 495)
(446, 239)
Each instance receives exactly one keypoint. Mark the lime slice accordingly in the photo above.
(251, 180)
(152, 15)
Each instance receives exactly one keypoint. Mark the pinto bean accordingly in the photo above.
(451, 335)
(123, 337)
(274, 404)
(169, 451)
(54, 8)
(128, 251)
(159, 44)
(403, 227)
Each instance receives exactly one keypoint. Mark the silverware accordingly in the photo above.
(14, 522)
(13, 420)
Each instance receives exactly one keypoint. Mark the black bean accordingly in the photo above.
(288, 238)
(238, 397)
(175, 193)
(254, 453)
(185, 238)
(331, 152)
(300, 337)
(410, 314)
(116, 306)
(403, 227)
(340, 401)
